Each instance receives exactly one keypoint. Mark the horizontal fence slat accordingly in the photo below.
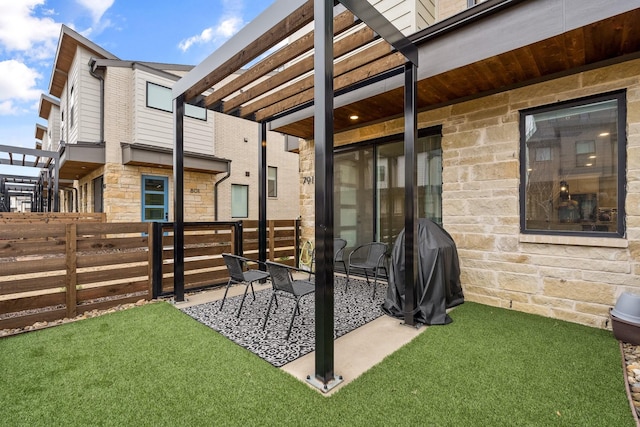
(116, 243)
(31, 247)
(97, 260)
(46, 217)
(31, 231)
(88, 277)
(32, 266)
(113, 228)
(200, 279)
(22, 321)
(32, 284)
(84, 295)
(31, 303)
(195, 252)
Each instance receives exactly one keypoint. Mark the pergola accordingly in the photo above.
(348, 48)
(24, 185)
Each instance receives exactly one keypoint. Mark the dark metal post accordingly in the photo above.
(157, 260)
(178, 197)
(410, 224)
(262, 194)
(323, 138)
(56, 192)
(239, 238)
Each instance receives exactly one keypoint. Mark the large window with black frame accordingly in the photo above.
(573, 167)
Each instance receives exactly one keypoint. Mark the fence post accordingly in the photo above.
(156, 262)
(272, 240)
(150, 244)
(71, 263)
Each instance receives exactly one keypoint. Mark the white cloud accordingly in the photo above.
(7, 108)
(229, 24)
(20, 31)
(17, 83)
(204, 37)
(97, 8)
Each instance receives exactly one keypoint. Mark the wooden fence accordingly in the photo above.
(56, 269)
(49, 271)
(204, 244)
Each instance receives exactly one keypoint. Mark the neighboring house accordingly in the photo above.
(112, 122)
(528, 150)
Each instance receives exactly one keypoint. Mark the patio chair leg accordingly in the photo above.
(346, 284)
(224, 298)
(293, 316)
(243, 298)
(253, 292)
(266, 318)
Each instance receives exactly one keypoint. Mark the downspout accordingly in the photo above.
(215, 191)
(92, 71)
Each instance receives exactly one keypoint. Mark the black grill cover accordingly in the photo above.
(438, 286)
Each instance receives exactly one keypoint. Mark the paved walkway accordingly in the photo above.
(354, 353)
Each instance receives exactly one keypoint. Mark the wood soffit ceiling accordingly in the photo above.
(260, 94)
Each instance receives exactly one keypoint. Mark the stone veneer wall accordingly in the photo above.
(570, 278)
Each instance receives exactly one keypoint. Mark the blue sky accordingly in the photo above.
(181, 32)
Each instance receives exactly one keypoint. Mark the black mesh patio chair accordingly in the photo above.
(338, 255)
(285, 286)
(370, 258)
(338, 252)
(239, 272)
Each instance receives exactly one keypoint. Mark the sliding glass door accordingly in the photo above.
(369, 189)
(354, 197)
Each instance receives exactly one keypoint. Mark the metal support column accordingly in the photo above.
(262, 194)
(410, 194)
(56, 183)
(178, 197)
(324, 378)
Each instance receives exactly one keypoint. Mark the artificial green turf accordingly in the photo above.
(154, 366)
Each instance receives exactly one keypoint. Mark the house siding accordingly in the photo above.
(87, 99)
(570, 278)
(155, 127)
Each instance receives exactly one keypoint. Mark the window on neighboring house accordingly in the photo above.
(272, 181)
(573, 162)
(239, 201)
(71, 109)
(159, 97)
(474, 2)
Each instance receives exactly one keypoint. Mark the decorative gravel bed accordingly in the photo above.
(631, 355)
(85, 315)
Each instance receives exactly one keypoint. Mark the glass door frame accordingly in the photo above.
(165, 194)
(374, 146)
